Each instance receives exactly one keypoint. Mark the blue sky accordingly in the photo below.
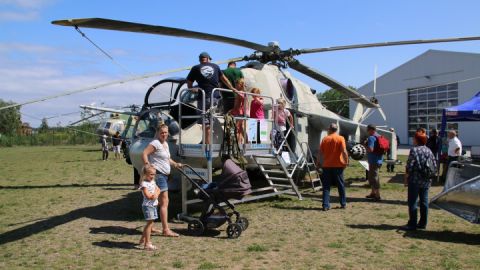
(39, 59)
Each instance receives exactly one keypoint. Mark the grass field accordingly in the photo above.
(64, 208)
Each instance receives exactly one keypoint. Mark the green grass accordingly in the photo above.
(63, 208)
(256, 248)
(208, 265)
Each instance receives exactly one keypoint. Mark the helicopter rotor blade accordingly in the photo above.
(349, 92)
(85, 119)
(108, 24)
(385, 44)
(103, 110)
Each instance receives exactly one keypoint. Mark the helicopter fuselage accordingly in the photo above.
(170, 101)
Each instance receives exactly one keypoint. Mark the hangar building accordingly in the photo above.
(414, 94)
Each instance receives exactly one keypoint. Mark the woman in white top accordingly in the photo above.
(157, 154)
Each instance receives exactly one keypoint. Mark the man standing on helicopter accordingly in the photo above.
(208, 76)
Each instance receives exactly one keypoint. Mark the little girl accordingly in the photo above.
(256, 110)
(150, 193)
(239, 108)
(281, 116)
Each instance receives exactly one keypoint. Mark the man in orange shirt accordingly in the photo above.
(333, 158)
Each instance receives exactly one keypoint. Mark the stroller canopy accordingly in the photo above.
(234, 182)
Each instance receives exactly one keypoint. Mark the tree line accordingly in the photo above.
(14, 132)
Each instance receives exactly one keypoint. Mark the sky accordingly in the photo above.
(38, 59)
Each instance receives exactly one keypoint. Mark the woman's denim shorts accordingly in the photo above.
(161, 180)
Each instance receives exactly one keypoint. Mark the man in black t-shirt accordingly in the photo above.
(208, 76)
(116, 141)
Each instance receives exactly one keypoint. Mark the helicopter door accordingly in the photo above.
(163, 93)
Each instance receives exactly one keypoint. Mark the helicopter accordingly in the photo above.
(171, 101)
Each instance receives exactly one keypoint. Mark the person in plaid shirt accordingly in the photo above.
(418, 185)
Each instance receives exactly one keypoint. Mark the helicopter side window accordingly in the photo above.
(107, 125)
(118, 126)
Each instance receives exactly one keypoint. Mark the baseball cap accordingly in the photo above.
(204, 55)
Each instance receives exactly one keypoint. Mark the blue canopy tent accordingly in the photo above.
(468, 111)
(461, 193)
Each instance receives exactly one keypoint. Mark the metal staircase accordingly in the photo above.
(280, 173)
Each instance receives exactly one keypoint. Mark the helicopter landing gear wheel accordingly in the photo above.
(195, 227)
(243, 222)
(234, 230)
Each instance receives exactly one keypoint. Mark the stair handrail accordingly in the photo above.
(310, 155)
(290, 151)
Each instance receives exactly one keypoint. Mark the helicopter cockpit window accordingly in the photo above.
(188, 97)
(288, 89)
(163, 93)
(119, 126)
(146, 126)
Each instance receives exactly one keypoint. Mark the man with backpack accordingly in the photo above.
(377, 146)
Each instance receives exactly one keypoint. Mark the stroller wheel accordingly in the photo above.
(234, 230)
(243, 222)
(195, 227)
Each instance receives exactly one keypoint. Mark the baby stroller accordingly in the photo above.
(233, 184)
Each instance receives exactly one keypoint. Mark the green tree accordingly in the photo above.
(335, 101)
(43, 126)
(10, 119)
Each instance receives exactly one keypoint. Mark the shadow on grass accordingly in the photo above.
(124, 209)
(113, 244)
(446, 236)
(115, 230)
(66, 186)
(286, 207)
(91, 150)
(397, 178)
(335, 199)
(441, 236)
(381, 227)
(207, 233)
(99, 159)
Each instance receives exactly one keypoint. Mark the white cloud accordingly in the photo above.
(33, 71)
(22, 10)
(26, 4)
(9, 47)
(18, 15)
